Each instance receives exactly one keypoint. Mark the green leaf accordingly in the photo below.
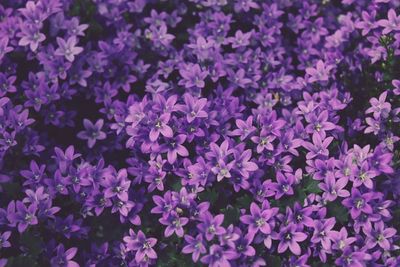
(231, 215)
(33, 243)
(210, 195)
(244, 202)
(22, 260)
(274, 261)
(311, 185)
(337, 210)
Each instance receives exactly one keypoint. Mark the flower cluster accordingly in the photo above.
(199, 133)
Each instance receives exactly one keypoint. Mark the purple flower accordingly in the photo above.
(174, 224)
(174, 148)
(319, 147)
(64, 258)
(142, 245)
(92, 132)
(4, 48)
(3, 239)
(210, 225)
(368, 22)
(22, 215)
(358, 203)
(193, 108)
(319, 124)
(379, 107)
(396, 84)
(195, 246)
(340, 239)
(68, 49)
(193, 76)
(245, 128)
(259, 219)
(351, 258)
(320, 73)
(322, 232)
(219, 257)
(289, 237)
(116, 185)
(30, 35)
(160, 127)
(284, 184)
(390, 24)
(379, 235)
(334, 188)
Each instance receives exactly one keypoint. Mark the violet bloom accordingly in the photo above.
(174, 148)
(264, 141)
(4, 243)
(368, 22)
(259, 219)
(195, 246)
(116, 185)
(245, 128)
(92, 132)
(160, 127)
(351, 258)
(243, 163)
(243, 246)
(64, 258)
(31, 36)
(358, 203)
(319, 123)
(23, 216)
(334, 188)
(174, 224)
(320, 73)
(340, 239)
(193, 107)
(218, 257)
(363, 175)
(374, 126)
(390, 24)
(68, 49)
(193, 76)
(319, 146)
(379, 107)
(396, 84)
(288, 238)
(284, 184)
(4, 48)
(210, 225)
(378, 235)
(35, 173)
(322, 232)
(142, 245)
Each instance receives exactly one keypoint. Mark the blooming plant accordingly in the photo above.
(199, 133)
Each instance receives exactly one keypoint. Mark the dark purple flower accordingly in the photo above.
(92, 132)
(259, 219)
(174, 224)
(378, 234)
(64, 257)
(289, 237)
(195, 246)
(68, 49)
(218, 256)
(390, 24)
(142, 245)
(4, 243)
(211, 226)
(358, 203)
(22, 215)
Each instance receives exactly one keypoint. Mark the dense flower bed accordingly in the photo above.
(199, 133)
